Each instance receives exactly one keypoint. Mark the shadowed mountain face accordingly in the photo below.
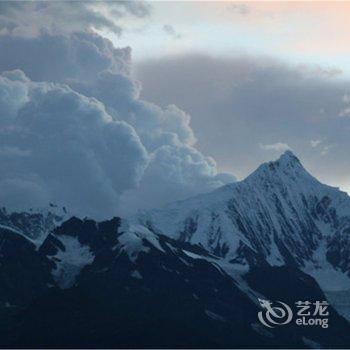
(187, 276)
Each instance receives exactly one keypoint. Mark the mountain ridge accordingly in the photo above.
(163, 294)
(196, 267)
(279, 214)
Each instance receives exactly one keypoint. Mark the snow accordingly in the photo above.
(214, 316)
(136, 274)
(340, 300)
(185, 262)
(70, 261)
(132, 244)
(235, 271)
(211, 217)
(193, 255)
(44, 221)
(311, 343)
(274, 204)
(37, 243)
(133, 238)
(329, 278)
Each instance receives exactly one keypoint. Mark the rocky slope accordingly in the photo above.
(119, 286)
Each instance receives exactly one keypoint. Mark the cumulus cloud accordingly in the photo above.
(62, 58)
(75, 132)
(175, 172)
(66, 148)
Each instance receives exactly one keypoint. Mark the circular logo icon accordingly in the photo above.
(274, 315)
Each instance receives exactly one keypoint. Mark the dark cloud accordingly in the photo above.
(32, 17)
(57, 57)
(240, 104)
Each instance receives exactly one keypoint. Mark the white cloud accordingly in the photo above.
(320, 145)
(325, 150)
(278, 147)
(315, 143)
(344, 113)
(174, 173)
(346, 98)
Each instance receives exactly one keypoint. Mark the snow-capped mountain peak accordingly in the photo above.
(279, 215)
(287, 168)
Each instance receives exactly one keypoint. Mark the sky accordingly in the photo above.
(107, 108)
(298, 32)
(217, 59)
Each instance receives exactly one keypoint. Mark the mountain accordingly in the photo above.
(190, 275)
(35, 224)
(279, 215)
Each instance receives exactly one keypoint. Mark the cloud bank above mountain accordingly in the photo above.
(75, 132)
(248, 109)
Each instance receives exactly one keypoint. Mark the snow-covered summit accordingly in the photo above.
(286, 165)
(279, 214)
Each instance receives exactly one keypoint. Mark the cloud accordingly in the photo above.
(170, 30)
(325, 150)
(75, 132)
(155, 126)
(29, 18)
(138, 8)
(59, 58)
(345, 112)
(13, 152)
(240, 102)
(174, 172)
(67, 148)
(240, 8)
(278, 147)
(346, 98)
(315, 143)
